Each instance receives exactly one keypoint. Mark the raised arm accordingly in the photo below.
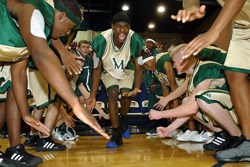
(185, 110)
(226, 16)
(191, 11)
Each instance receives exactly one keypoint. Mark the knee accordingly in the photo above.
(113, 94)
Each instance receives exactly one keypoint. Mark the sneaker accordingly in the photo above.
(47, 144)
(31, 140)
(126, 134)
(152, 132)
(187, 135)
(19, 155)
(175, 133)
(72, 132)
(56, 134)
(221, 141)
(202, 137)
(237, 154)
(124, 127)
(115, 141)
(5, 162)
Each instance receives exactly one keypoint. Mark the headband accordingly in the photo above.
(72, 17)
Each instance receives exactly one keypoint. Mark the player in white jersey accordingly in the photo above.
(117, 50)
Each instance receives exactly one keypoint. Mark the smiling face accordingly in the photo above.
(121, 30)
(62, 25)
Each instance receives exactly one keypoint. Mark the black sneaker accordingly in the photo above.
(221, 141)
(31, 140)
(47, 144)
(116, 140)
(6, 162)
(23, 158)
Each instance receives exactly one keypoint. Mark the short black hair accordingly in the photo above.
(120, 17)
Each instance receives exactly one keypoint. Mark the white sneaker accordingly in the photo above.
(152, 132)
(57, 135)
(70, 136)
(202, 137)
(175, 133)
(187, 135)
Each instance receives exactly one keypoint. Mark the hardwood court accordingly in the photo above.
(139, 151)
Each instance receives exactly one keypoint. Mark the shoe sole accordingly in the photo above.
(40, 150)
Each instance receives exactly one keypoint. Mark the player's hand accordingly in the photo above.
(69, 121)
(200, 42)
(89, 119)
(154, 114)
(90, 103)
(33, 122)
(132, 93)
(190, 14)
(162, 132)
(162, 103)
(70, 63)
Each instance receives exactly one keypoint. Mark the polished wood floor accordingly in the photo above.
(138, 151)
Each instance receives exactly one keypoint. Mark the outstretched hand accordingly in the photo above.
(190, 14)
(200, 42)
(33, 122)
(162, 132)
(89, 119)
(90, 103)
(70, 63)
(132, 93)
(162, 103)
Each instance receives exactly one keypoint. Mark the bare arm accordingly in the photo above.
(50, 67)
(68, 58)
(173, 95)
(96, 75)
(191, 11)
(171, 79)
(226, 16)
(137, 80)
(19, 82)
(187, 109)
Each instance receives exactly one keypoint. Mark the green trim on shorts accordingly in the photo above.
(203, 117)
(126, 89)
(45, 104)
(2, 100)
(32, 106)
(235, 69)
(209, 101)
(112, 86)
(4, 87)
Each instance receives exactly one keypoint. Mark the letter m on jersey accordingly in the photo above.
(118, 65)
